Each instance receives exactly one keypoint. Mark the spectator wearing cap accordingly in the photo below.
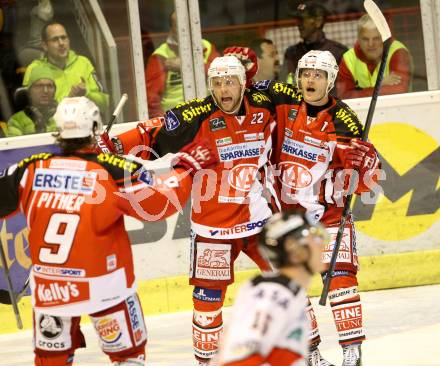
(312, 17)
(268, 60)
(359, 67)
(74, 74)
(37, 116)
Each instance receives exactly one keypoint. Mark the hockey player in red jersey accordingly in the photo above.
(228, 209)
(268, 325)
(317, 147)
(74, 203)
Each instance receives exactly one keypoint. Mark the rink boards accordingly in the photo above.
(398, 231)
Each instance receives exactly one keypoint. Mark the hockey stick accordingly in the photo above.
(116, 112)
(384, 30)
(10, 288)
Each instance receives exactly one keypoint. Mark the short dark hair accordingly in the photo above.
(256, 45)
(71, 146)
(47, 25)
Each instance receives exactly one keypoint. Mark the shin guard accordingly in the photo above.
(347, 310)
(207, 322)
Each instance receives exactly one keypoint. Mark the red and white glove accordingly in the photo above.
(361, 156)
(104, 144)
(248, 58)
(195, 156)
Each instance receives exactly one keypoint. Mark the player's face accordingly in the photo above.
(313, 84)
(370, 43)
(57, 44)
(42, 93)
(269, 62)
(227, 92)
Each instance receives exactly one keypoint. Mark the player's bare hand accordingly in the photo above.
(78, 90)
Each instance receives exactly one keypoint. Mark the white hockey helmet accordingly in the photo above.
(76, 118)
(319, 60)
(227, 66)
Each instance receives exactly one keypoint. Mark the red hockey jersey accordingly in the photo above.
(74, 206)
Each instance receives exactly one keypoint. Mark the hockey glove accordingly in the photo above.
(104, 144)
(248, 58)
(361, 156)
(195, 156)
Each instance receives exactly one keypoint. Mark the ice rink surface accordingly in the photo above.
(402, 326)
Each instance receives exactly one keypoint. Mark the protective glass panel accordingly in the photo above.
(294, 27)
(86, 52)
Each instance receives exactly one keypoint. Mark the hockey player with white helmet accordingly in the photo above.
(227, 83)
(317, 148)
(228, 210)
(318, 65)
(268, 325)
(75, 202)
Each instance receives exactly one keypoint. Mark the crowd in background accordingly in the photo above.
(44, 68)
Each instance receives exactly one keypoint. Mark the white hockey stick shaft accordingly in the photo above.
(116, 112)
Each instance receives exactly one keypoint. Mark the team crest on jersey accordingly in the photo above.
(171, 121)
(50, 326)
(292, 114)
(242, 177)
(288, 132)
(217, 124)
(67, 181)
(294, 175)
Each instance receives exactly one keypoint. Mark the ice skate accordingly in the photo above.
(315, 358)
(352, 355)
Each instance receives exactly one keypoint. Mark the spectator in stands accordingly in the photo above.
(162, 75)
(40, 14)
(312, 17)
(37, 116)
(268, 60)
(360, 65)
(74, 74)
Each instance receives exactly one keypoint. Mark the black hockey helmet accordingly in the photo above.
(295, 225)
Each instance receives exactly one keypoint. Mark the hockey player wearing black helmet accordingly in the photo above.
(269, 324)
